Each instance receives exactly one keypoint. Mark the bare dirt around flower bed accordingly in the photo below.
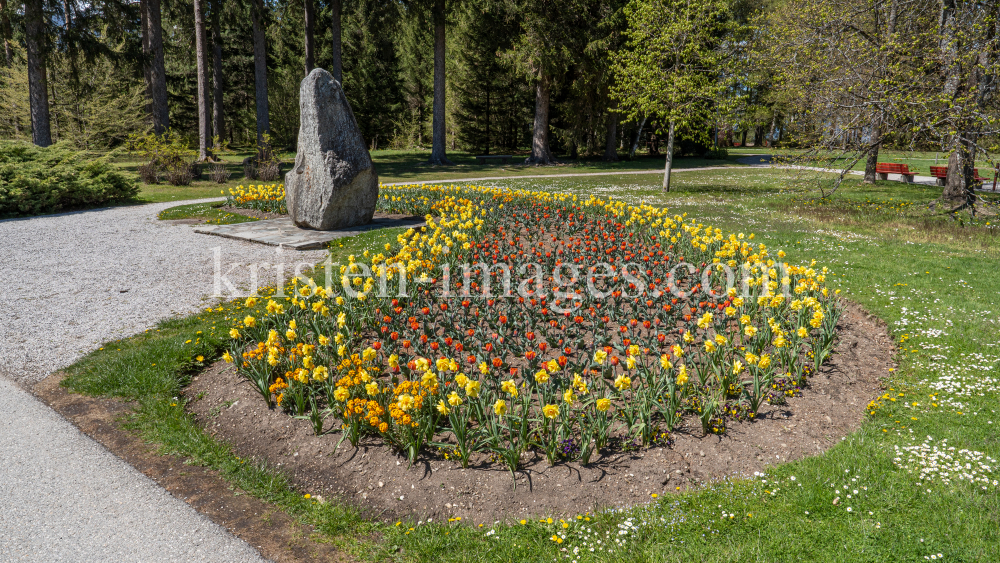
(379, 480)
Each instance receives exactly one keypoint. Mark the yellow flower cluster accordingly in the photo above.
(270, 198)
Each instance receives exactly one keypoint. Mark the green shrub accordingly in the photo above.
(166, 155)
(719, 153)
(37, 180)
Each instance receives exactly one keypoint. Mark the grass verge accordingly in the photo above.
(209, 212)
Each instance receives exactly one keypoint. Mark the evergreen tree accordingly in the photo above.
(416, 73)
(371, 68)
(36, 37)
(493, 101)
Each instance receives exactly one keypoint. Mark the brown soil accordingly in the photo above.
(276, 535)
(380, 481)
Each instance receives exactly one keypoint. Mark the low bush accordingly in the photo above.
(718, 153)
(265, 165)
(219, 173)
(46, 180)
(167, 155)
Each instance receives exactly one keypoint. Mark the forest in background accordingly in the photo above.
(559, 78)
(97, 96)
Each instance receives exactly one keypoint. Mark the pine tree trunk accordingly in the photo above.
(487, 121)
(638, 135)
(335, 29)
(67, 16)
(439, 140)
(38, 95)
(260, 71)
(201, 58)
(72, 55)
(6, 34)
(157, 68)
(146, 67)
(53, 106)
(610, 145)
(540, 152)
(154, 69)
(309, 23)
(218, 111)
(670, 157)
(70, 45)
(743, 136)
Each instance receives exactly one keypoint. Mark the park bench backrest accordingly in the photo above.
(892, 168)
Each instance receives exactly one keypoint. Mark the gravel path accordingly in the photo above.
(73, 281)
(69, 283)
(63, 497)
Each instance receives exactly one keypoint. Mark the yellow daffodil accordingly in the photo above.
(600, 356)
(541, 376)
(341, 394)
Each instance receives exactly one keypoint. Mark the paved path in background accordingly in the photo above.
(571, 175)
(68, 283)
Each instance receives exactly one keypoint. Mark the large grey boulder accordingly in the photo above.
(333, 184)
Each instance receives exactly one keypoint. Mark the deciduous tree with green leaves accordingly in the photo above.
(673, 66)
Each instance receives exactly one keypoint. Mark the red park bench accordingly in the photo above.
(883, 169)
(941, 173)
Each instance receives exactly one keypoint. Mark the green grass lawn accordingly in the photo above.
(410, 166)
(210, 212)
(931, 279)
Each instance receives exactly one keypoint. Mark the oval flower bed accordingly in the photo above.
(622, 321)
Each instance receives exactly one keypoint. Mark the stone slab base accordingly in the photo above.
(282, 232)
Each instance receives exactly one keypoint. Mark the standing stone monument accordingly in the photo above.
(333, 184)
